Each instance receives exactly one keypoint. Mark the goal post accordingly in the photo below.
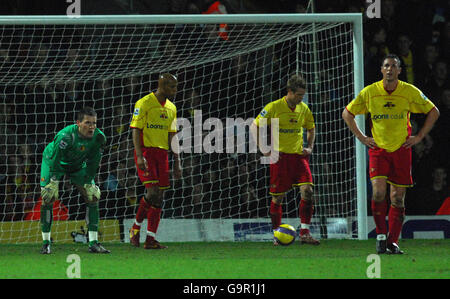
(53, 65)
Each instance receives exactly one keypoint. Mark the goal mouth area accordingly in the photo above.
(53, 65)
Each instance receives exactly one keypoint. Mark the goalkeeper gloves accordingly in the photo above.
(92, 191)
(50, 191)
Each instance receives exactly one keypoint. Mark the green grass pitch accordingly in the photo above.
(230, 260)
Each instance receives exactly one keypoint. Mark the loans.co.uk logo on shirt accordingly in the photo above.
(156, 126)
(387, 116)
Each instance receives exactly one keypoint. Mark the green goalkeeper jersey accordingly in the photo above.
(69, 152)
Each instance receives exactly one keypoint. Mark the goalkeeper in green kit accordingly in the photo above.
(76, 152)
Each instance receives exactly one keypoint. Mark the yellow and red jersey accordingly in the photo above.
(155, 120)
(390, 112)
(291, 124)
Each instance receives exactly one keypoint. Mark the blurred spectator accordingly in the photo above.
(376, 50)
(191, 170)
(390, 20)
(217, 7)
(183, 7)
(408, 59)
(437, 36)
(204, 194)
(26, 153)
(121, 192)
(227, 204)
(17, 191)
(6, 129)
(439, 81)
(191, 102)
(445, 45)
(4, 55)
(441, 134)
(248, 200)
(72, 99)
(422, 162)
(425, 65)
(430, 198)
(129, 92)
(152, 6)
(117, 131)
(103, 95)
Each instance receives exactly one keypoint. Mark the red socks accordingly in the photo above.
(152, 214)
(305, 212)
(276, 212)
(379, 210)
(141, 212)
(396, 217)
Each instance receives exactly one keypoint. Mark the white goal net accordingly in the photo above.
(50, 70)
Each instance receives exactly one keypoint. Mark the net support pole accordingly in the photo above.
(360, 148)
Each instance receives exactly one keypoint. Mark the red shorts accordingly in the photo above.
(395, 167)
(289, 171)
(158, 167)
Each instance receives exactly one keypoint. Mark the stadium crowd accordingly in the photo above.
(422, 46)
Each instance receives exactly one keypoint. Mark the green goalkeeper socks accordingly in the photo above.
(46, 218)
(92, 217)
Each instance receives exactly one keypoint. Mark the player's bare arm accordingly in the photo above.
(310, 138)
(431, 118)
(351, 123)
(173, 143)
(136, 135)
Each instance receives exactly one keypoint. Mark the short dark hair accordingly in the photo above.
(393, 56)
(86, 111)
(295, 82)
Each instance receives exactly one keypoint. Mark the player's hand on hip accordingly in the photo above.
(271, 156)
(368, 141)
(307, 151)
(411, 140)
(50, 191)
(142, 163)
(92, 191)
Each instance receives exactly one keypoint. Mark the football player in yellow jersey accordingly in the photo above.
(389, 103)
(153, 128)
(292, 167)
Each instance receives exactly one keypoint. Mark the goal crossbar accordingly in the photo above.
(354, 18)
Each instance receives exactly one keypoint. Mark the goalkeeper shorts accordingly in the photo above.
(76, 178)
(158, 167)
(289, 171)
